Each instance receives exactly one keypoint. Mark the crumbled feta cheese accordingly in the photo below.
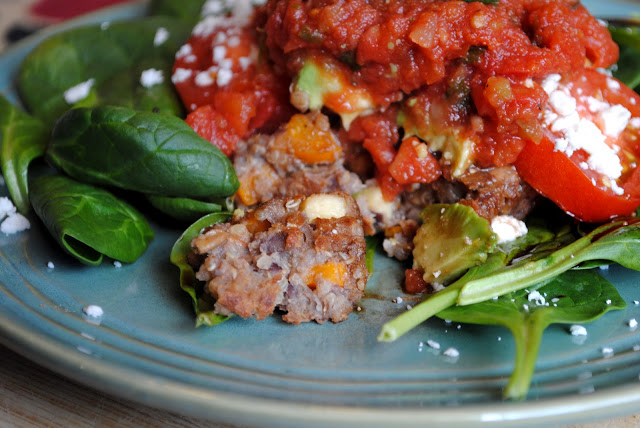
(245, 62)
(633, 323)
(224, 76)
(14, 223)
(50, 265)
(578, 330)
(6, 207)
(213, 7)
(180, 75)
(613, 84)
(93, 311)
(607, 352)
(204, 78)
(117, 264)
(105, 25)
(162, 35)
(219, 53)
(452, 353)
(184, 50)
(433, 344)
(608, 301)
(537, 298)
(508, 228)
(151, 77)
(212, 11)
(78, 92)
(578, 133)
(437, 286)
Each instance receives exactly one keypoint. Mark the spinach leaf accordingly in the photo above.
(535, 244)
(22, 139)
(89, 222)
(576, 296)
(627, 36)
(105, 55)
(184, 209)
(150, 153)
(617, 241)
(202, 302)
(188, 11)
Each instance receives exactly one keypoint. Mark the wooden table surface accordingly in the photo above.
(32, 396)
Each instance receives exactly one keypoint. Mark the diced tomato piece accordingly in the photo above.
(213, 126)
(414, 163)
(413, 281)
(568, 179)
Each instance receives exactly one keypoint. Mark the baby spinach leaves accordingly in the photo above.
(88, 222)
(202, 302)
(22, 139)
(617, 241)
(627, 36)
(188, 10)
(106, 54)
(149, 153)
(186, 209)
(576, 296)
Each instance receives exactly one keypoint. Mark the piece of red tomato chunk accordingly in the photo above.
(587, 160)
(218, 67)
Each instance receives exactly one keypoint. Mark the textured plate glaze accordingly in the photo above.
(268, 373)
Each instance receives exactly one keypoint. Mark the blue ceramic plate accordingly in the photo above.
(269, 373)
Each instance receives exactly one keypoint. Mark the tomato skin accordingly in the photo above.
(213, 126)
(413, 281)
(414, 164)
(579, 190)
(558, 178)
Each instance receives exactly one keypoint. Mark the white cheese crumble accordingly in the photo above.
(184, 50)
(151, 77)
(633, 323)
(204, 78)
(224, 76)
(181, 75)
(607, 352)
(508, 228)
(6, 207)
(452, 353)
(433, 344)
(578, 330)
(537, 298)
(50, 265)
(161, 36)
(241, 11)
(577, 133)
(14, 223)
(117, 264)
(93, 311)
(78, 92)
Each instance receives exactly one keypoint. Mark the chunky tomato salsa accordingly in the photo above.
(405, 103)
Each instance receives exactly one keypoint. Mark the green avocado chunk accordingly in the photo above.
(451, 239)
